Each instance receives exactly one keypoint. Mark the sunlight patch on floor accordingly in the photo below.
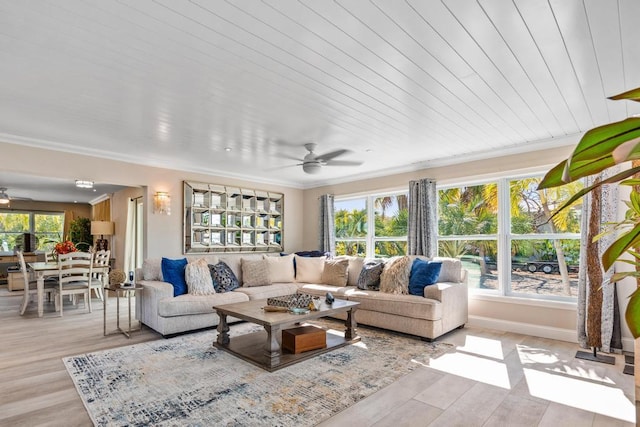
(534, 357)
(483, 347)
(581, 394)
(474, 368)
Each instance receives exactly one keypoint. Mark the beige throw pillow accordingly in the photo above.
(309, 269)
(255, 272)
(395, 276)
(198, 278)
(335, 272)
(355, 267)
(281, 268)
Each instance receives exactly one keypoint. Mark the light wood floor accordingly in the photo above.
(491, 379)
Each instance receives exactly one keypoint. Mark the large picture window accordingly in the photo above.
(503, 233)
(372, 226)
(47, 227)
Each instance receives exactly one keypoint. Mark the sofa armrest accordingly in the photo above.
(455, 302)
(150, 296)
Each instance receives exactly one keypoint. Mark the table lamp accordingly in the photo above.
(102, 228)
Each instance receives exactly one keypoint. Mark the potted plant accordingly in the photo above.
(80, 233)
(600, 149)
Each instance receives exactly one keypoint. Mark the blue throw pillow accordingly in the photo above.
(423, 273)
(173, 272)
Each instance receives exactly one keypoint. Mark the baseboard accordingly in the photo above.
(560, 334)
(524, 328)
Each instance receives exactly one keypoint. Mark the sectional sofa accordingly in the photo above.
(442, 308)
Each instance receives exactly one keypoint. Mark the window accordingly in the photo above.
(468, 229)
(372, 226)
(502, 233)
(47, 227)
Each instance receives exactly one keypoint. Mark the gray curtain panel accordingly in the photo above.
(422, 235)
(610, 320)
(327, 225)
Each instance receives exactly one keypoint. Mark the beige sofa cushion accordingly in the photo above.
(320, 289)
(281, 268)
(401, 305)
(235, 262)
(184, 305)
(309, 269)
(263, 292)
(355, 266)
(335, 272)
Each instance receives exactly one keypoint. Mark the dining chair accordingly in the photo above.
(75, 270)
(31, 285)
(100, 258)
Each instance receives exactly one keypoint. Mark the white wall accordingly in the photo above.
(163, 232)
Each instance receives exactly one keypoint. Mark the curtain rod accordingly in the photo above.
(136, 198)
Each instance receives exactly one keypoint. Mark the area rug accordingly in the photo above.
(185, 381)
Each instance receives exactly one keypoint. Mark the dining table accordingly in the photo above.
(43, 270)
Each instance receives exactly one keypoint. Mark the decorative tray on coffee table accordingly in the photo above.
(291, 301)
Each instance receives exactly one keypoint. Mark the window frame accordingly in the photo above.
(504, 236)
(32, 224)
(370, 239)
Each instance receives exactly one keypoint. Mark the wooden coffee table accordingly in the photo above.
(263, 348)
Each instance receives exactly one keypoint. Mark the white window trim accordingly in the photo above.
(370, 239)
(504, 238)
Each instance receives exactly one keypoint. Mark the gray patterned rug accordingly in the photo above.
(185, 381)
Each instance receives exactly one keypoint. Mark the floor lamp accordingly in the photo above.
(102, 228)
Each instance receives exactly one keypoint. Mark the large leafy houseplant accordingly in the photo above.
(600, 149)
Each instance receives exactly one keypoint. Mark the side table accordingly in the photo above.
(120, 292)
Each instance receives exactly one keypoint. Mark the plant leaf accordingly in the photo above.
(553, 178)
(619, 276)
(632, 314)
(633, 181)
(631, 95)
(612, 179)
(627, 240)
(599, 143)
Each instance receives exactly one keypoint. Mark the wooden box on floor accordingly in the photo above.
(15, 281)
(303, 338)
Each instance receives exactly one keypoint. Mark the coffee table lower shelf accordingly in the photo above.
(251, 347)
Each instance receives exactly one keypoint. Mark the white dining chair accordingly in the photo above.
(31, 286)
(100, 258)
(75, 271)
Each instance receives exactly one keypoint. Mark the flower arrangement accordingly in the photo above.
(64, 247)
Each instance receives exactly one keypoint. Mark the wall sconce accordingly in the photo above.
(162, 203)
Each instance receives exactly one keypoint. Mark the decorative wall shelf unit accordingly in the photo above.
(218, 218)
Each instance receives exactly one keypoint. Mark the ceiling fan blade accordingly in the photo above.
(333, 154)
(342, 163)
(287, 156)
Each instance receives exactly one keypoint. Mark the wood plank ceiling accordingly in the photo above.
(403, 84)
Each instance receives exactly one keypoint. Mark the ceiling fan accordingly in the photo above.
(5, 199)
(312, 163)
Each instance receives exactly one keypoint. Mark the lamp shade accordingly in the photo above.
(101, 228)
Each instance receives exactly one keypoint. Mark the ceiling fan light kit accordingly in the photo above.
(313, 163)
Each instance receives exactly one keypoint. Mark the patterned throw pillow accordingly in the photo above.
(369, 278)
(395, 276)
(335, 272)
(223, 278)
(198, 278)
(255, 273)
